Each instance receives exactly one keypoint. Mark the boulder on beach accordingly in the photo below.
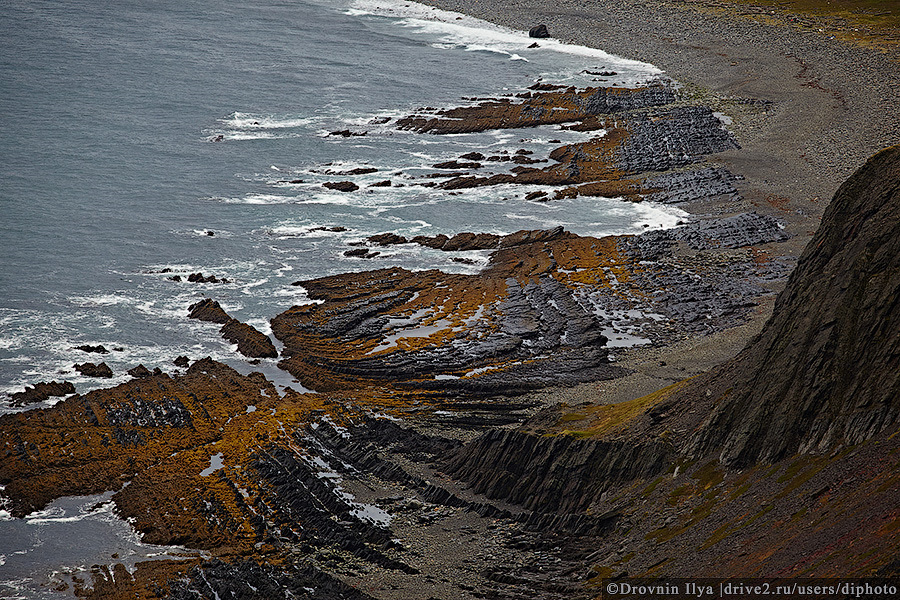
(539, 31)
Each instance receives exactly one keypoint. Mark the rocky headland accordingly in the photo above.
(580, 409)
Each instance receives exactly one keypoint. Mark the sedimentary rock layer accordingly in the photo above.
(250, 341)
(533, 318)
(799, 386)
(805, 419)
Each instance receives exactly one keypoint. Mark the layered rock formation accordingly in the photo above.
(825, 371)
(533, 318)
(807, 412)
(544, 108)
(639, 131)
(378, 481)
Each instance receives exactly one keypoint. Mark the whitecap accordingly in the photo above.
(240, 135)
(241, 120)
(100, 300)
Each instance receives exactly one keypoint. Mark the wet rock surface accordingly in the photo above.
(99, 348)
(341, 186)
(41, 391)
(201, 278)
(90, 369)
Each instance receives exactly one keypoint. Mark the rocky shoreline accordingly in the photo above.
(538, 427)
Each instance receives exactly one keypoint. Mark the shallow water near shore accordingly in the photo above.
(111, 176)
(147, 142)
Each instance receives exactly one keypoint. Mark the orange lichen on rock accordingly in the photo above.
(163, 434)
(544, 108)
(395, 328)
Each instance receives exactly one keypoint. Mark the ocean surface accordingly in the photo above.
(143, 140)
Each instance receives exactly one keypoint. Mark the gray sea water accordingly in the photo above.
(111, 174)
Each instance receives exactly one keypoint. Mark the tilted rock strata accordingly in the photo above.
(214, 460)
(480, 334)
(545, 108)
(808, 412)
(250, 341)
(804, 385)
(473, 241)
(634, 143)
(642, 130)
(532, 318)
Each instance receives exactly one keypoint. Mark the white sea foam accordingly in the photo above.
(260, 199)
(100, 300)
(248, 135)
(656, 216)
(306, 231)
(241, 120)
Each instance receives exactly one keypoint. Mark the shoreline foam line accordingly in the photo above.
(472, 33)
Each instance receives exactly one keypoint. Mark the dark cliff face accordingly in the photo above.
(825, 370)
(823, 373)
(781, 462)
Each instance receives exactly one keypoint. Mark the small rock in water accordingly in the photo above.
(99, 349)
(361, 253)
(347, 133)
(140, 372)
(341, 186)
(91, 370)
(200, 278)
